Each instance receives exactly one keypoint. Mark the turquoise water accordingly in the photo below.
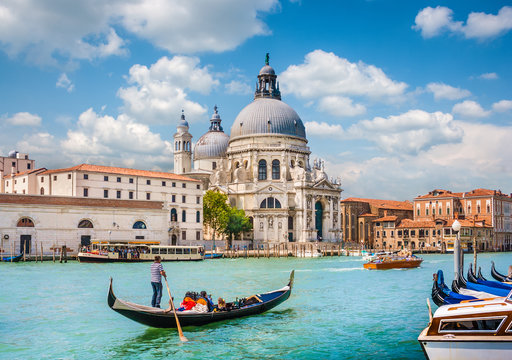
(336, 310)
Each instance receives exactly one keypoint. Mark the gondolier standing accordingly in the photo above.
(157, 271)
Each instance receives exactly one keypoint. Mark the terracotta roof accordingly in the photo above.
(387, 218)
(484, 192)
(439, 193)
(383, 204)
(409, 223)
(367, 215)
(469, 223)
(122, 171)
(24, 173)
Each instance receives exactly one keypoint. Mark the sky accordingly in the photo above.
(398, 97)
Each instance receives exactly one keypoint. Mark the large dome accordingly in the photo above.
(268, 116)
(213, 144)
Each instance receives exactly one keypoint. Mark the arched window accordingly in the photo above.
(275, 170)
(270, 203)
(184, 216)
(41, 191)
(85, 224)
(262, 170)
(198, 216)
(25, 222)
(139, 225)
(174, 215)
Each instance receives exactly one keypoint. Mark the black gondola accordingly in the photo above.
(159, 318)
(15, 258)
(441, 294)
(479, 275)
(500, 277)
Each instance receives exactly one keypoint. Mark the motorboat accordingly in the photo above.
(471, 329)
(393, 262)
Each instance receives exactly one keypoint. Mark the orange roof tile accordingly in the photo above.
(122, 171)
(439, 193)
(367, 215)
(383, 204)
(387, 218)
(409, 223)
(8, 176)
(484, 192)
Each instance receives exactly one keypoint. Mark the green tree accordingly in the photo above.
(237, 223)
(215, 212)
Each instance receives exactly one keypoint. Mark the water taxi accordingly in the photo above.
(136, 251)
(472, 329)
(393, 262)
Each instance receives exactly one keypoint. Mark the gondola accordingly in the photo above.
(213, 256)
(479, 275)
(442, 295)
(459, 284)
(159, 318)
(500, 277)
(12, 258)
(496, 284)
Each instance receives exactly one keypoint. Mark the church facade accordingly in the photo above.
(264, 168)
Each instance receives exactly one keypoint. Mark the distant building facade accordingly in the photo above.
(358, 215)
(110, 203)
(14, 163)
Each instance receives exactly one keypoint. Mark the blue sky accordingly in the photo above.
(398, 97)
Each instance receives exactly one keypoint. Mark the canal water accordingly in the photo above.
(336, 310)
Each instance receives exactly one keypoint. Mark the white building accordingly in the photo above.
(264, 168)
(87, 202)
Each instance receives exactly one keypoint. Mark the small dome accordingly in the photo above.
(268, 116)
(12, 153)
(267, 70)
(183, 122)
(213, 144)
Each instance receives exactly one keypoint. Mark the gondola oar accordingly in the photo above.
(180, 332)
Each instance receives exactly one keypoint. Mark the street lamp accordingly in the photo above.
(456, 248)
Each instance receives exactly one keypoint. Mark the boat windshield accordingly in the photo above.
(509, 297)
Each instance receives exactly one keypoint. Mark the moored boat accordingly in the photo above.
(14, 258)
(159, 318)
(213, 256)
(470, 330)
(393, 262)
(500, 277)
(136, 251)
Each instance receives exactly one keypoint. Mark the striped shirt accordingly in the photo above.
(155, 272)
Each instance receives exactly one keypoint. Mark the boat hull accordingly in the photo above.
(398, 264)
(467, 350)
(97, 258)
(160, 319)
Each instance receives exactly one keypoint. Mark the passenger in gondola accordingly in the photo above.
(208, 299)
(221, 304)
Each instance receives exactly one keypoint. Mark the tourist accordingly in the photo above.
(157, 271)
(221, 304)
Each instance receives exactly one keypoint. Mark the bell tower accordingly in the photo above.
(182, 147)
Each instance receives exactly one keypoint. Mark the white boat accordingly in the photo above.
(472, 329)
(310, 254)
(136, 251)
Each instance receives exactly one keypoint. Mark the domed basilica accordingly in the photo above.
(264, 168)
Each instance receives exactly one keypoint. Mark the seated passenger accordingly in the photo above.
(208, 299)
(201, 306)
(221, 305)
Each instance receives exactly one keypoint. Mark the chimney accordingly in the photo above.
(13, 171)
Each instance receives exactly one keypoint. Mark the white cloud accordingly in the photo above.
(482, 155)
(326, 74)
(24, 119)
(489, 76)
(236, 87)
(434, 21)
(408, 133)
(340, 106)
(105, 135)
(502, 106)
(323, 129)
(38, 143)
(443, 91)
(64, 82)
(470, 108)
(46, 31)
(159, 92)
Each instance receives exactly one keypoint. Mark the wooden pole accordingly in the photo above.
(60, 255)
(65, 253)
(36, 250)
(53, 248)
(41, 251)
(12, 250)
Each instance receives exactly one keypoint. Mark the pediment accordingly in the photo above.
(270, 189)
(324, 184)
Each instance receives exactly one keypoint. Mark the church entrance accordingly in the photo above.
(319, 211)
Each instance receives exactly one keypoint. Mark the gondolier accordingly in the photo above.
(157, 271)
